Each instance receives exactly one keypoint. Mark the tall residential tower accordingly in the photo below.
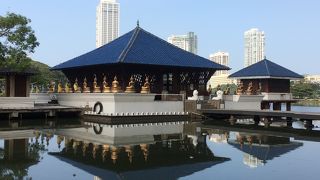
(187, 42)
(107, 22)
(254, 42)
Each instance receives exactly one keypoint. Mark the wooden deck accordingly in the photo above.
(40, 110)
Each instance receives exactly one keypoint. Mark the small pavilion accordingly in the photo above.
(269, 79)
(17, 83)
(141, 54)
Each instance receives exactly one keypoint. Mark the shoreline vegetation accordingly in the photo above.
(308, 102)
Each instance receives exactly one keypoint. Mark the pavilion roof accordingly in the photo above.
(265, 69)
(140, 47)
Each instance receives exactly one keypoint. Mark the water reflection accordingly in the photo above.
(137, 151)
(18, 151)
(124, 149)
(258, 149)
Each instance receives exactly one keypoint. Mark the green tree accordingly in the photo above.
(305, 90)
(17, 39)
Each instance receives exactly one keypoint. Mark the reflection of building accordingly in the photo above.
(155, 148)
(17, 154)
(258, 149)
(107, 22)
(187, 42)
(254, 42)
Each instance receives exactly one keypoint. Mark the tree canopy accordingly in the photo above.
(305, 90)
(17, 39)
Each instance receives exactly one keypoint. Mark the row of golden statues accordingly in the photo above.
(250, 90)
(115, 87)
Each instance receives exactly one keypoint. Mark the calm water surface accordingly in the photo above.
(176, 150)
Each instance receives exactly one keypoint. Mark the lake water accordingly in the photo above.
(175, 150)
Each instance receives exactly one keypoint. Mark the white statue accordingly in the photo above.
(195, 95)
(219, 95)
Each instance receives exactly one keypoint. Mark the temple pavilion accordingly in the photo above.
(141, 54)
(17, 83)
(269, 79)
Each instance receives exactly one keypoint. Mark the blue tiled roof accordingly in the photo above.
(140, 47)
(266, 69)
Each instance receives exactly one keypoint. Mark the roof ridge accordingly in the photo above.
(265, 62)
(128, 47)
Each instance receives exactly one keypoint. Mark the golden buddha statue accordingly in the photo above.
(86, 89)
(67, 88)
(105, 88)
(114, 154)
(145, 89)
(218, 87)
(115, 85)
(145, 150)
(96, 88)
(76, 87)
(52, 87)
(240, 88)
(250, 89)
(227, 91)
(259, 90)
(60, 88)
(130, 88)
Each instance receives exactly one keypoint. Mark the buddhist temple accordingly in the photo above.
(141, 54)
(268, 79)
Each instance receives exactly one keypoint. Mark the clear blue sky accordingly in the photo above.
(66, 28)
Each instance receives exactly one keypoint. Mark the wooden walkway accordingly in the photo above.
(42, 110)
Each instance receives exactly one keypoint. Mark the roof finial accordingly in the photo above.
(138, 23)
(265, 57)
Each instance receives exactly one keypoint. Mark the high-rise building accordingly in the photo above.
(107, 22)
(187, 42)
(220, 58)
(220, 77)
(254, 42)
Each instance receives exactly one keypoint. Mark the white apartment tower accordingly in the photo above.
(220, 58)
(187, 42)
(254, 42)
(107, 22)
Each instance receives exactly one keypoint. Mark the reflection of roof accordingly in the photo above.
(265, 69)
(167, 172)
(265, 152)
(140, 47)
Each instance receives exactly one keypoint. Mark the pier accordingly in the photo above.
(43, 111)
(258, 115)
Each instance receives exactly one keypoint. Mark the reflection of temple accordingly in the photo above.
(258, 149)
(17, 154)
(124, 148)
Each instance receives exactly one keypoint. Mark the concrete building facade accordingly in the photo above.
(107, 22)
